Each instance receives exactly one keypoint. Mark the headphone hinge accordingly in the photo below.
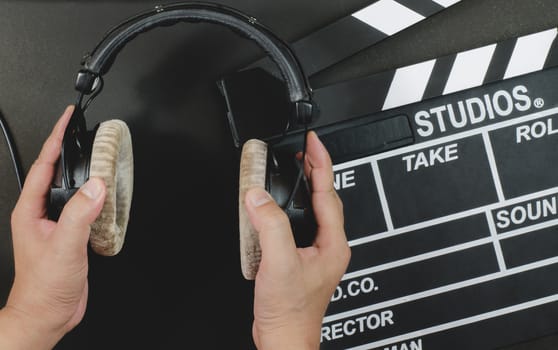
(305, 112)
(86, 81)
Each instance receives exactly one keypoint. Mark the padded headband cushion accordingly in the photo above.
(112, 160)
(253, 164)
(99, 61)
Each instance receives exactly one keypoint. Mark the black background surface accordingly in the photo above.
(177, 282)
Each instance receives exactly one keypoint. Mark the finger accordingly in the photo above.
(318, 165)
(327, 205)
(274, 229)
(72, 231)
(38, 181)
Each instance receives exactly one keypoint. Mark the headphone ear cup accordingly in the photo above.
(112, 160)
(253, 171)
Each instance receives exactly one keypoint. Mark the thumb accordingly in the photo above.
(273, 226)
(73, 228)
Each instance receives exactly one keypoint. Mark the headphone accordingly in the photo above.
(106, 150)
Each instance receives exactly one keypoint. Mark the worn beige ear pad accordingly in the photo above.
(112, 160)
(253, 164)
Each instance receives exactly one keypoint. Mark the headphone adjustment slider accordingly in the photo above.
(85, 81)
(305, 112)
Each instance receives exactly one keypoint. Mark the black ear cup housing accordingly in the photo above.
(72, 170)
(289, 187)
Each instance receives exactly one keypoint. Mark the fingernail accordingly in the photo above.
(68, 109)
(315, 134)
(92, 188)
(258, 197)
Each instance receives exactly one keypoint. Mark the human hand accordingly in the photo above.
(293, 286)
(49, 294)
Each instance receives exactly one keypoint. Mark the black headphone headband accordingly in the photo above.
(100, 60)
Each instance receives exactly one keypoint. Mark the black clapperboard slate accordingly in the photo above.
(448, 177)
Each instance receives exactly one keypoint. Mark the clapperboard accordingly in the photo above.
(448, 172)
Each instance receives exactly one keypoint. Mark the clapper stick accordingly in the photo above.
(438, 77)
(367, 26)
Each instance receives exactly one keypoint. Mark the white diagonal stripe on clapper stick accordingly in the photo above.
(388, 16)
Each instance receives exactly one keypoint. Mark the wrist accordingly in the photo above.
(280, 343)
(288, 338)
(20, 331)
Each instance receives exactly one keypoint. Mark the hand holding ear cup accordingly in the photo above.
(286, 183)
(253, 169)
(112, 160)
